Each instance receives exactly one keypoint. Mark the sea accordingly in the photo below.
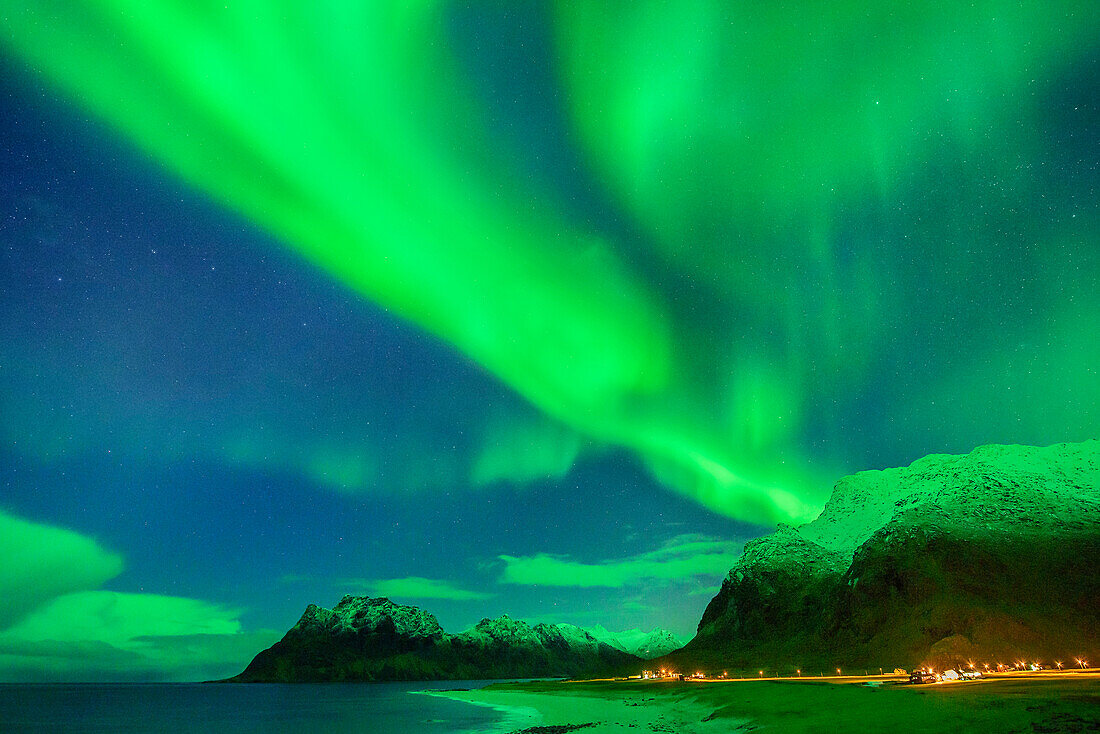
(216, 708)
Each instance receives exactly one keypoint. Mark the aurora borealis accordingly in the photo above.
(539, 309)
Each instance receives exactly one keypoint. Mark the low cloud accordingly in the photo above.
(107, 635)
(117, 618)
(205, 656)
(33, 661)
(681, 557)
(55, 625)
(155, 658)
(39, 562)
(415, 587)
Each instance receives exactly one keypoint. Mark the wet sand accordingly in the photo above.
(1041, 704)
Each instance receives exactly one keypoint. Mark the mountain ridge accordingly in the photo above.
(990, 554)
(646, 645)
(375, 639)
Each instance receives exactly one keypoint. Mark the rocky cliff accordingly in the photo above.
(991, 556)
(364, 639)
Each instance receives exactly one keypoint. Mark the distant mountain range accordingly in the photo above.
(365, 639)
(988, 557)
(645, 645)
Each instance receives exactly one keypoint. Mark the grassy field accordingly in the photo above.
(1047, 703)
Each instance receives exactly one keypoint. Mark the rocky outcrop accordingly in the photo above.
(364, 639)
(991, 555)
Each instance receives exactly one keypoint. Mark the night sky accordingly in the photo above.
(539, 309)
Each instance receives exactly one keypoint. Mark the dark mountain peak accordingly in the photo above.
(504, 630)
(313, 618)
(362, 614)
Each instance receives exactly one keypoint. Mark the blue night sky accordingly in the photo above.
(660, 301)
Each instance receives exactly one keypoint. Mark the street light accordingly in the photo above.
(838, 671)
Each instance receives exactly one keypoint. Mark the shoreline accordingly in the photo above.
(516, 716)
(549, 711)
(1054, 704)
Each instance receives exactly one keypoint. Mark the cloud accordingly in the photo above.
(415, 587)
(681, 557)
(107, 635)
(39, 562)
(205, 656)
(25, 661)
(153, 658)
(117, 618)
(56, 625)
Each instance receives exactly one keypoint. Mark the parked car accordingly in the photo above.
(922, 676)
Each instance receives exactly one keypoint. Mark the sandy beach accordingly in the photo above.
(1040, 704)
(595, 711)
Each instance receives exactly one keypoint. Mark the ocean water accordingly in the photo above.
(378, 708)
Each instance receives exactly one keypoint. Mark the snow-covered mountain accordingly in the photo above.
(646, 645)
(365, 639)
(991, 555)
(360, 614)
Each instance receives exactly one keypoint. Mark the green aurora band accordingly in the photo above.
(743, 141)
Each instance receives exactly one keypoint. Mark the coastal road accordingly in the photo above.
(1021, 675)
